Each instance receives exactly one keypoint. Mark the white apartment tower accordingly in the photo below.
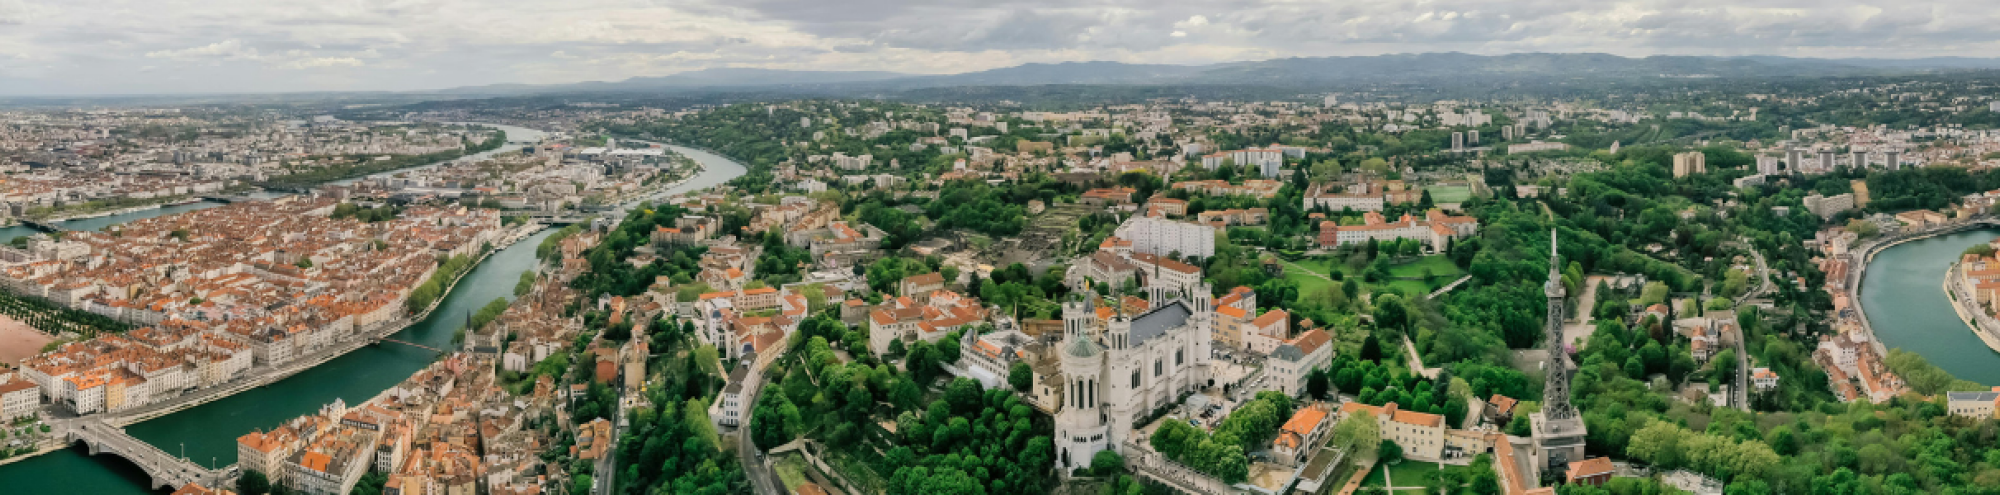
(1690, 163)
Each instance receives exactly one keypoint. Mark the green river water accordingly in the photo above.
(1903, 293)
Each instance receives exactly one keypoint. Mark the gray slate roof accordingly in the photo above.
(1159, 320)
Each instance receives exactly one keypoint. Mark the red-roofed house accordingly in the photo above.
(1593, 471)
(1297, 438)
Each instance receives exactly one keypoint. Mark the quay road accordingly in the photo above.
(258, 376)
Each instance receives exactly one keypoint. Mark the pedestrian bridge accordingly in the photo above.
(166, 471)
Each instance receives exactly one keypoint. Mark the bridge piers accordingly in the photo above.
(163, 470)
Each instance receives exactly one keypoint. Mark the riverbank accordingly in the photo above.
(304, 363)
(1896, 284)
(627, 200)
(1963, 302)
(1864, 258)
(165, 202)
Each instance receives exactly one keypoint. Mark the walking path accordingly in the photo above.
(1448, 287)
(1580, 331)
(1417, 362)
(1354, 482)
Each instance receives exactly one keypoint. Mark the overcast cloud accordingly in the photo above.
(205, 46)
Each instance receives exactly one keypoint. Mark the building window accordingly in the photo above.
(1179, 357)
(1158, 368)
(1135, 379)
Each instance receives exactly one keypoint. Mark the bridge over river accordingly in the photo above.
(166, 470)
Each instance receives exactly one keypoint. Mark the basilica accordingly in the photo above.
(1116, 368)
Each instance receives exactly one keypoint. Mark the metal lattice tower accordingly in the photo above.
(1555, 389)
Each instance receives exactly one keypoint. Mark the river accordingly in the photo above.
(208, 433)
(1904, 295)
(514, 135)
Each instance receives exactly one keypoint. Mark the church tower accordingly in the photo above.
(1558, 431)
(1078, 318)
(1080, 425)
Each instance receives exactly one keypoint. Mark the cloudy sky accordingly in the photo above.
(209, 46)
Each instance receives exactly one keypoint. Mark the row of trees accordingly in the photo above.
(359, 165)
(1222, 455)
(366, 214)
(55, 319)
(449, 269)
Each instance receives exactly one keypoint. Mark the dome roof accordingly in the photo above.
(1081, 347)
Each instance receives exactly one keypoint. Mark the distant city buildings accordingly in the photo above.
(1435, 230)
(1535, 146)
(1690, 163)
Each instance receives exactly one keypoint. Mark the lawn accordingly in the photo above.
(1416, 287)
(1308, 284)
(1438, 265)
(1449, 194)
(1408, 474)
(792, 470)
(1374, 479)
(1320, 264)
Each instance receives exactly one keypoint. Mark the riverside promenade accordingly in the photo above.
(1865, 253)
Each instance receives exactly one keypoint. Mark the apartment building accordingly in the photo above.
(1420, 434)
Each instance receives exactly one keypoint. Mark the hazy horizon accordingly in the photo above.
(125, 47)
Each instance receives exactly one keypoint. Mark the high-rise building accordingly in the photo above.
(1767, 165)
(1472, 137)
(1558, 430)
(1690, 163)
(1458, 141)
(1893, 159)
(1794, 160)
(1860, 161)
(1826, 160)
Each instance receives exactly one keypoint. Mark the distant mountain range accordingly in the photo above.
(1288, 72)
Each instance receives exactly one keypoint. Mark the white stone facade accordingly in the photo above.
(1137, 364)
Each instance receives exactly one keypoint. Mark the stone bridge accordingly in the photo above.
(166, 471)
